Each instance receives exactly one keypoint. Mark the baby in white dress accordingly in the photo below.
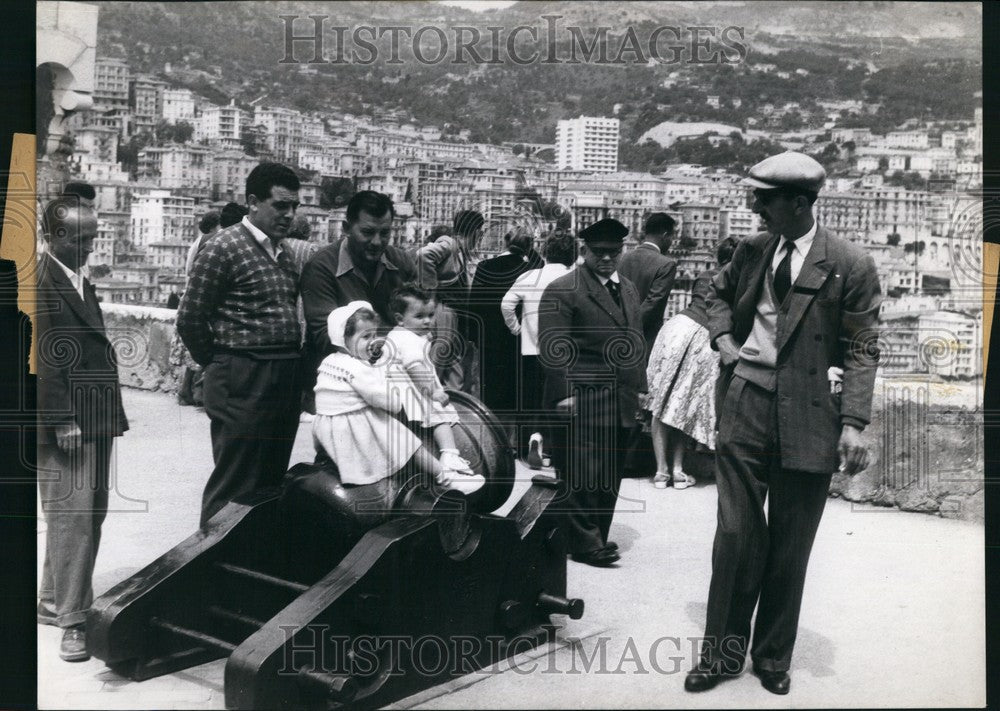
(354, 405)
(407, 354)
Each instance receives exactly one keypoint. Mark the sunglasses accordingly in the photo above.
(601, 252)
(766, 197)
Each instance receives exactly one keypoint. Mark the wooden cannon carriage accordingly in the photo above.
(323, 595)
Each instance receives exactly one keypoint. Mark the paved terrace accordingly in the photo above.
(894, 611)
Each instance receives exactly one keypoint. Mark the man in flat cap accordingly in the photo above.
(795, 306)
(593, 354)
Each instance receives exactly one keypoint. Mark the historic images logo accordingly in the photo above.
(521, 44)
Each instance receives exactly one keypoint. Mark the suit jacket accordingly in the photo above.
(493, 279)
(653, 273)
(701, 292)
(831, 320)
(585, 338)
(499, 349)
(75, 361)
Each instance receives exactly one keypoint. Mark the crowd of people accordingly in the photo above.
(568, 348)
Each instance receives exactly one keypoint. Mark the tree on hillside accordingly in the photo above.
(128, 153)
(908, 180)
(335, 192)
(166, 132)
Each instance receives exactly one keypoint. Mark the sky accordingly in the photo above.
(478, 5)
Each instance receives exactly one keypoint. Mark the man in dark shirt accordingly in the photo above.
(238, 318)
(361, 266)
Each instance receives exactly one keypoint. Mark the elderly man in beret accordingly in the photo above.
(796, 306)
(592, 351)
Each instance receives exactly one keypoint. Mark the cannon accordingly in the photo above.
(323, 595)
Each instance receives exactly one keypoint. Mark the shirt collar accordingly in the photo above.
(803, 243)
(604, 281)
(75, 278)
(345, 263)
(82, 273)
(261, 238)
(650, 245)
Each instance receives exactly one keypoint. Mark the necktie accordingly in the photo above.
(613, 290)
(783, 274)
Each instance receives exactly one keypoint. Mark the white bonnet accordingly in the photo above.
(337, 320)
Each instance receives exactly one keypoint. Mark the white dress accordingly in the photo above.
(681, 375)
(353, 423)
(404, 348)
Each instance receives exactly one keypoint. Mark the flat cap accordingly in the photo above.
(606, 230)
(787, 170)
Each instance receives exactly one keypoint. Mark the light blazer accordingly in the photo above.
(584, 337)
(75, 360)
(653, 274)
(831, 320)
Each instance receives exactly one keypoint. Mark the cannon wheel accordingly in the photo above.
(484, 442)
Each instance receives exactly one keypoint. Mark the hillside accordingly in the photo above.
(234, 50)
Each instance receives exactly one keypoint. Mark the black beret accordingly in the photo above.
(606, 230)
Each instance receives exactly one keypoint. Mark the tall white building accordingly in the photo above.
(111, 79)
(220, 123)
(158, 216)
(588, 143)
(178, 105)
(288, 131)
(230, 170)
(178, 167)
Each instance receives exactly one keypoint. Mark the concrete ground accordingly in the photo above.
(894, 611)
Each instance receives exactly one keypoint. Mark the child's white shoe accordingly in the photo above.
(451, 459)
(465, 483)
(534, 459)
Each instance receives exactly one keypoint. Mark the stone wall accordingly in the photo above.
(926, 439)
(150, 355)
(931, 460)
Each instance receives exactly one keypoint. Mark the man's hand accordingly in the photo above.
(68, 437)
(854, 457)
(729, 352)
(440, 397)
(567, 406)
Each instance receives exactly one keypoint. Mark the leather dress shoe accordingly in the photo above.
(74, 645)
(777, 682)
(600, 558)
(611, 545)
(702, 678)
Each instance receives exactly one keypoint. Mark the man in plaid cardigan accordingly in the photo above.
(239, 320)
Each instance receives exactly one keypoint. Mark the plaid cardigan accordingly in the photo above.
(238, 298)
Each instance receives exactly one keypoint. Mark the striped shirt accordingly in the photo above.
(239, 298)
